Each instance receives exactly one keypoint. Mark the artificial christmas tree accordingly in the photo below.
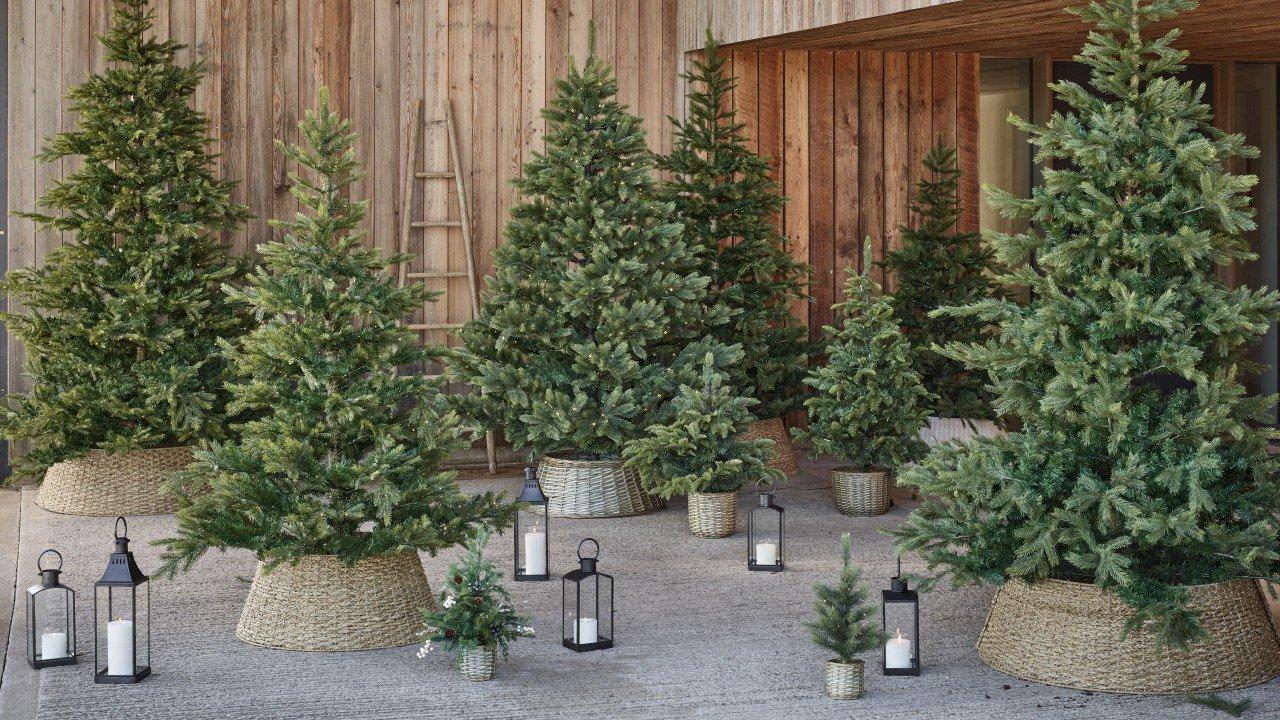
(696, 448)
(869, 402)
(1139, 466)
(844, 626)
(939, 266)
(124, 318)
(729, 204)
(337, 484)
(594, 295)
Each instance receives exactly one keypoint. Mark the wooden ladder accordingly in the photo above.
(408, 226)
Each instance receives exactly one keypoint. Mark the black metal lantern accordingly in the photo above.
(900, 607)
(765, 536)
(532, 546)
(125, 595)
(51, 618)
(586, 617)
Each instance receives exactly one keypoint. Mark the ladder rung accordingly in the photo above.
(435, 376)
(437, 223)
(435, 274)
(434, 175)
(435, 326)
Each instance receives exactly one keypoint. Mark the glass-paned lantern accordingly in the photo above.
(765, 536)
(51, 617)
(900, 620)
(122, 617)
(586, 617)
(533, 551)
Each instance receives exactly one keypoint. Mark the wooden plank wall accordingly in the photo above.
(736, 21)
(496, 60)
(845, 131)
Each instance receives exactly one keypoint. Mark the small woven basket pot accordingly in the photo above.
(1068, 634)
(319, 604)
(104, 484)
(713, 515)
(784, 453)
(861, 492)
(844, 680)
(477, 663)
(578, 488)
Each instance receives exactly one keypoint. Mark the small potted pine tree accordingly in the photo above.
(698, 448)
(844, 626)
(475, 617)
(869, 403)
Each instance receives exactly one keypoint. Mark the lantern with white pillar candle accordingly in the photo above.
(586, 615)
(51, 617)
(532, 546)
(765, 534)
(122, 617)
(899, 609)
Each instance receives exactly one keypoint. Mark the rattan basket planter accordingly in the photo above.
(861, 492)
(844, 680)
(713, 515)
(477, 663)
(577, 488)
(784, 453)
(107, 484)
(1068, 634)
(319, 604)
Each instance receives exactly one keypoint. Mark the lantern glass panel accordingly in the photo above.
(766, 536)
(588, 607)
(123, 617)
(901, 623)
(532, 551)
(53, 635)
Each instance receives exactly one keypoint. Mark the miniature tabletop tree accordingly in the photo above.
(844, 617)
(475, 611)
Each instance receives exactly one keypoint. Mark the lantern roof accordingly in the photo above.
(122, 570)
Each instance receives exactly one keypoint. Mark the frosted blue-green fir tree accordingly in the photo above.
(343, 455)
(594, 294)
(122, 321)
(1140, 464)
(868, 403)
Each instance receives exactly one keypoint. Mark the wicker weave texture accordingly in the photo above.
(103, 484)
(322, 605)
(860, 492)
(713, 515)
(1068, 634)
(477, 663)
(784, 453)
(844, 681)
(593, 488)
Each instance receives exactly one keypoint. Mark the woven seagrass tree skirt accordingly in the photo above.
(109, 484)
(713, 515)
(784, 453)
(1068, 634)
(861, 492)
(319, 604)
(581, 488)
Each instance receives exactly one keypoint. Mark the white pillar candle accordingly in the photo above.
(897, 652)
(53, 645)
(766, 553)
(120, 647)
(535, 552)
(586, 631)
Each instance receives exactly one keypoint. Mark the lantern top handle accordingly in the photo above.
(593, 542)
(40, 561)
(120, 520)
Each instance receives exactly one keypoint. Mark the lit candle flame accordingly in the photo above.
(898, 635)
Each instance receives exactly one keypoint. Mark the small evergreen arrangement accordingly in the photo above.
(1139, 463)
(869, 402)
(844, 623)
(475, 610)
(123, 320)
(729, 204)
(344, 455)
(936, 266)
(696, 447)
(594, 294)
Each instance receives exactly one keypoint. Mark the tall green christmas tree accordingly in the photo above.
(729, 204)
(124, 318)
(595, 292)
(344, 458)
(1140, 464)
(938, 266)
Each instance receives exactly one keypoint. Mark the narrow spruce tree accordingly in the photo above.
(344, 456)
(595, 292)
(868, 403)
(938, 266)
(124, 318)
(729, 204)
(1140, 465)
(844, 622)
